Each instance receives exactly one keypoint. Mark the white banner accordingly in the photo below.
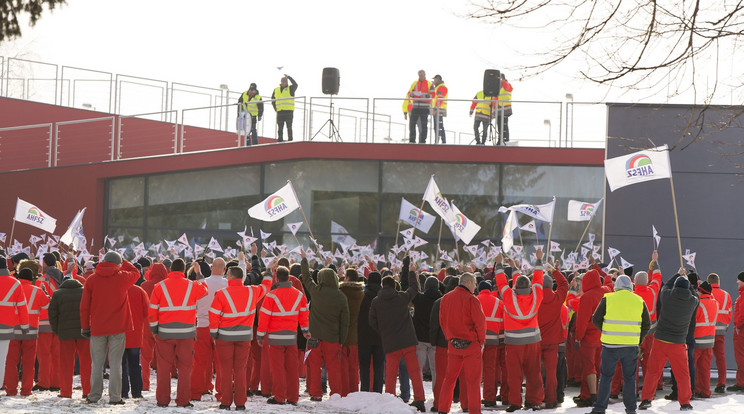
(463, 228)
(74, 235)
(638, 167)
(277, 205)
(542, 212)
(581, 210)
(340, 235)
(30, 214)
(409, 214)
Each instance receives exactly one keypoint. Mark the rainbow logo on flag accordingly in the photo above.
(639, 165)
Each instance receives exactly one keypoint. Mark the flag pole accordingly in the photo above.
(12, 230)
(457, 250)
(397, 232)
(310, 230)
(439, 239)
(676, 222)
(550, 233)
(584, 233)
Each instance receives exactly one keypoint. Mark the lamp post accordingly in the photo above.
(569, 120)
(225, 91)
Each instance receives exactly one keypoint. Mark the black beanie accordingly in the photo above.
(18, 257)
(693, 278)
(50, 259)
(26, 274)
(374, 278)
(682, 282)
(295, 270)
(705, 287)
(740, 276)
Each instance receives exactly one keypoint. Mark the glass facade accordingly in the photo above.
(362, 196)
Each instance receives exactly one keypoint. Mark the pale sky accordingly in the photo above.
(378, 46)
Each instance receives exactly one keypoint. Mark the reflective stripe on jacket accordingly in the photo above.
(281, 312)
(705, 321)
(233, 309)
(173, 306)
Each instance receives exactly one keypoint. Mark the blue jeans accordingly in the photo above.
(375, 355)
(405, 381)
(131, 373)
(439, 127)
(628, 358)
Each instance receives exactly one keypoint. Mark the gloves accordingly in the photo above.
(154, 330)
(85, 333)
(214, 335)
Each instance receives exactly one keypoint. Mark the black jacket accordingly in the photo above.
(366, 336)
(64, 310)
(678, 307)
(436, 335)
(422, 304)
(390, 317)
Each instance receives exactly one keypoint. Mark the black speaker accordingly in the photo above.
(491, 82)
(331, 81)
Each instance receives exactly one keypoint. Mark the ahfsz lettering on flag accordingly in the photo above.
(30, 214)
(410, 213)
(464, 228)
(638, 167)
(277, 205)
(542, 212)
(581, 210)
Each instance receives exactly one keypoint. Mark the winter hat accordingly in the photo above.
(484, 286)
(740, 276)
(547, 282)
(374, 278)
(431, 283)
(623, 283)
(26, 274)
(523, 282)
(50, 259)
(641, 278)
(705, 287)
(682, 282)
(137, 266)
(112, 257)
(295, 270)
(144, 262)
(18, 257)
(628, 271)
(167, 263)
(693, 278)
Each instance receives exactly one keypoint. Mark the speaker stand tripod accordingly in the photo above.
(333, 133)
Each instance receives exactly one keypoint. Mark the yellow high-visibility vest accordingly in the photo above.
(283, 104)
(623, 316)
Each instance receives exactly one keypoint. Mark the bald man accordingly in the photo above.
(201, 374)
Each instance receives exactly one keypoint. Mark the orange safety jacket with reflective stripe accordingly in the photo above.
(521, 326)
(724, 308)
(233, 309)
(13, 310)
(283, 309)
(650, 293)
(419, 96)
(705, 321)
(36, 299)
(493, 308)
(172, 312)
(50, 286)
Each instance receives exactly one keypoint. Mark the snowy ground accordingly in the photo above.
(369, 403)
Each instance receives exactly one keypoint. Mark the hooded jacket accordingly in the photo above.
(139, 303)
(678, 306)
(104, 308)
(739, 311)
(588, 302)
(549, 315)
(329, 310)
(157, 274)
(390, 317)
(64, 310)
(354, 295)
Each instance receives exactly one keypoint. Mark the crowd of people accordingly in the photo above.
(244, 326)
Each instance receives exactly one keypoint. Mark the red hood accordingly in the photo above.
(157, 273)
(590, 280)
(106, 269)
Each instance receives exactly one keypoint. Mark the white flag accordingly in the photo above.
(613, 252)
(472, 249)
(542, 212)
(591, 238)
(294, 227)
(407, 233)
(554, 247)
(531, 227)
(74, 235)
(437, 202)
(2, 237)
(34, 239)
(198, 249)
(463, 228)
(656, 236)
(183, 240)
(507, 238)
(690, 259)
(581, 210)
(418, 242)
(214, 245)
(638, 167)
(415, 217)
(340, 235)
(277, 205)
(30, 214)
(264, 236)
(624, 264)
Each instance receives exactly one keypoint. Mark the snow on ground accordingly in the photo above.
(363, 403)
